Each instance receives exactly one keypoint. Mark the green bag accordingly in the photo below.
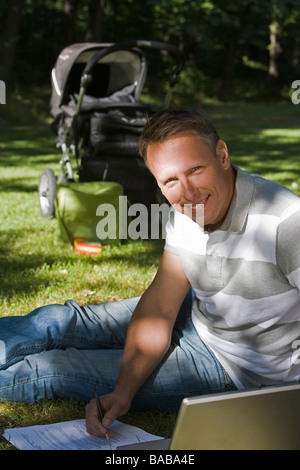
(76, 206)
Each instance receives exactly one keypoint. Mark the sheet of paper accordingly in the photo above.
(72, 435)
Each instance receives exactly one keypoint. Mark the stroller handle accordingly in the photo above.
(138, 43)
(86, 76)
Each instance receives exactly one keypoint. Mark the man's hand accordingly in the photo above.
(113, 405)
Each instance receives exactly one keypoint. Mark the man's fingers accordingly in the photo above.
(93, 424)
(113, 405)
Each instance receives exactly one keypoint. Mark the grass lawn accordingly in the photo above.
(36, 269)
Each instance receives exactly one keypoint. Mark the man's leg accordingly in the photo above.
(68, 373)
(60, 350)
(89, 350)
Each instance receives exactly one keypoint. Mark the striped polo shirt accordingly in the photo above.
(246, 277)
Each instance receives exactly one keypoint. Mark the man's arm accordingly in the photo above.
(148, 340)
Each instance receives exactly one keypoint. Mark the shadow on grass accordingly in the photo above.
(28, 273)
(25, 152)
(17, 270)
(27, 141)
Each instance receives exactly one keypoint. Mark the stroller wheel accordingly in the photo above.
(47, 193)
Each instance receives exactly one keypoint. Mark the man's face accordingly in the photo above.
(192, 178)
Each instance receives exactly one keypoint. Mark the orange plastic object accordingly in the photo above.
(87, 247)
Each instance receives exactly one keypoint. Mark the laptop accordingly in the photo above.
(259, 419)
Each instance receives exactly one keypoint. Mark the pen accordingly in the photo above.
(100, 410)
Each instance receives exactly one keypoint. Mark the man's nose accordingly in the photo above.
(188, 191)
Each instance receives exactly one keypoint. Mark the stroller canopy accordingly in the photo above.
(113, 72)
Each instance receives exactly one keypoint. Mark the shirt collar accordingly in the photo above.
(240, 203)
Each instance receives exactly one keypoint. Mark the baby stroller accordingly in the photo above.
(98, 117)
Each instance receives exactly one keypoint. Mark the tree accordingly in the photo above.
(69, 14)
(284, 13)
(226, 44)
(10, 31)
(96, 17)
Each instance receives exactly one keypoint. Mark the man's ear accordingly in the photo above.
(223, 154)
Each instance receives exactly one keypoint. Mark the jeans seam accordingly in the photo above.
(46, 346)
(227, 379)
(51, 376)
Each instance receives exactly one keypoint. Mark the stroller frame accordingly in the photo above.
(117, 101)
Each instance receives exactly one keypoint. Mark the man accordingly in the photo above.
(243, 264)
(233, 239)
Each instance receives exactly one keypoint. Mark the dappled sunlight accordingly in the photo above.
(36, 269)
(264, 139)
(280, 135)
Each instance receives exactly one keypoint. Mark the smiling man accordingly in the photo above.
(233, 239)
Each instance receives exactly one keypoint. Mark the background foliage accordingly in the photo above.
(238, 48)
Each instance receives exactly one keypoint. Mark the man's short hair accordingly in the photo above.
(177, 120)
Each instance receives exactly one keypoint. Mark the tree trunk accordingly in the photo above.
(68, 22)
(97, 12)
(9, 39)
(274, 52)
(227, 87)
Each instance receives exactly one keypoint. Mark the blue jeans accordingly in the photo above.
(62, 350)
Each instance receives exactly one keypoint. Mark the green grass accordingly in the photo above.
(263, 139)
(35, 269)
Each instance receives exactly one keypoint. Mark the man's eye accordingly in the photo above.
(170, 180)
